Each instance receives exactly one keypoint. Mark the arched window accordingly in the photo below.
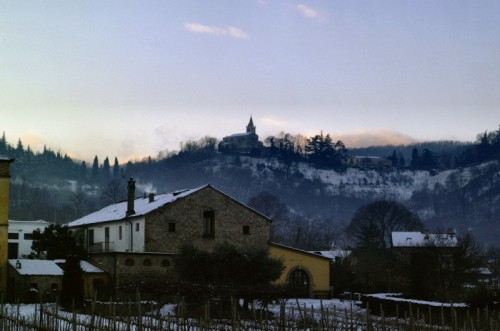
(165, 263)
(146, 263)
(129, 262)
(299, 280)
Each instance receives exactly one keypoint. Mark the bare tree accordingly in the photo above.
(114, 191)
(272, 207)
(372, 224)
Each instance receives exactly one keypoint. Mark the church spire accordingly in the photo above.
(250, 127)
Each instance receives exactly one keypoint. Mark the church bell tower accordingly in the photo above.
(250, 127)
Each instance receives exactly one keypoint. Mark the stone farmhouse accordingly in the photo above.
(136, 240)
(242, 143)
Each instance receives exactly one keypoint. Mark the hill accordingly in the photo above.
(463, 194)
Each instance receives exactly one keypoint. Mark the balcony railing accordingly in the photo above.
(104, 246)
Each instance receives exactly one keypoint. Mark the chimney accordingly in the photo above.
(151, 197)
(131, 197)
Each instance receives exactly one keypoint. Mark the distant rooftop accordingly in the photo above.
(416, 239)
(28, 267)
(36, 267)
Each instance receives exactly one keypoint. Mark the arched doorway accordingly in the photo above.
(299, 281)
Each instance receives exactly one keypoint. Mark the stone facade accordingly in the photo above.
(187, 222)
(33, 288)
(125, 269)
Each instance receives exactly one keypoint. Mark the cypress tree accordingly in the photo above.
(72, 283)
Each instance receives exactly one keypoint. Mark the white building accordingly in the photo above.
(21, 237)
(421, 239)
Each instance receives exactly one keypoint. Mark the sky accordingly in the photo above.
(129, 79)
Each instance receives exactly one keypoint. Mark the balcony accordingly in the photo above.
(104, 246)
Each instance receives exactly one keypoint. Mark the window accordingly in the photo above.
(246, 229)
(146, 263)
(208, 223)
(13, 235)
(34, 286)
(120, 233)
(137, 227)
(91, 237)
(28, 236)
(54, 287)
(129, 262)
(165, 263)
(171, 227)
(13, 250)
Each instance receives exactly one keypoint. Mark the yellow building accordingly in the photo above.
(4, 219)
(308, 271)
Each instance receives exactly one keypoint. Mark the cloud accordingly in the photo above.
(307, 11)
(270, 121)
(365, 138)
(229, 31)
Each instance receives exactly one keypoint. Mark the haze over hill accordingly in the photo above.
(448, 184)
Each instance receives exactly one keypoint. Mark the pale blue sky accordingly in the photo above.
(131, 78)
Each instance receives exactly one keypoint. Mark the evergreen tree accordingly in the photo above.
(55, 242)
(95, 169)
(3, 143)
(394, 159)
(116, 169)
(72, 283)
(83, 170)
(428, 160)
(106, 169)
(415, 159)
(402, 161)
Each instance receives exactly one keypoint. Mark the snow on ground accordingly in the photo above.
(395, 297)
(399, 185)
(28, 310)
(316, 304)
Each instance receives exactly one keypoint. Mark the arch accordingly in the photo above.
(300, 281)
(165, 263)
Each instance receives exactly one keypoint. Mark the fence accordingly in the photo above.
(139, 316)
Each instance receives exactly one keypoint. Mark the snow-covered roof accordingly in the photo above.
(5, 158)
(142, 206)
(36, 267)
(86, 267)
(414, 239)
(37, 222)
(297, 250)
(240, 134)
(333, 254)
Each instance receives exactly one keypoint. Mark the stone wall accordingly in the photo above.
(132, 269)
(46, 288)
(183, 222)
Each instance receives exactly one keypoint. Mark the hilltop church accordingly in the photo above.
(243, 143)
